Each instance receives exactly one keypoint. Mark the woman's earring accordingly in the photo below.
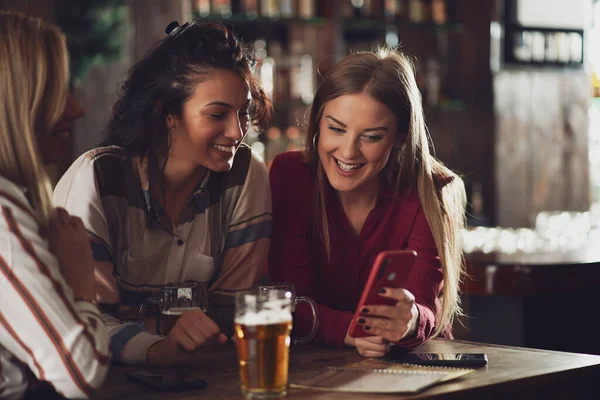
(315, 141)
(170, 122)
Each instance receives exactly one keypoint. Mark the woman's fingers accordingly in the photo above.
(375, 339)
(391, 312)
(389, 322)
(399, 294)
(364, 344)
(395, 333)
(195, 334)
(373, 353)
(194, 329)
(180, 337)
(222, 338)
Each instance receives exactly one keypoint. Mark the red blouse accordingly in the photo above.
(298, 255)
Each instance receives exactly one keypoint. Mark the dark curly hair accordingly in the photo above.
(165, 78)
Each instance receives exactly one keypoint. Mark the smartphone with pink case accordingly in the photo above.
(390, 269)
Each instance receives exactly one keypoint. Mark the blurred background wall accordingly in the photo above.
(518, 132)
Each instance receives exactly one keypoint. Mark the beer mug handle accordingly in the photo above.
(149, 301)
(315, 313)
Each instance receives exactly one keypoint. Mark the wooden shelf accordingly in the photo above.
(382, 25)
(242, 19)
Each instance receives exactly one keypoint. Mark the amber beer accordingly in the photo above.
(263, 353)
(263, 323)
(168, 318)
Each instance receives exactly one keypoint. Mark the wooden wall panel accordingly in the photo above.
(150, 18)
(98, 92)
(541, 159)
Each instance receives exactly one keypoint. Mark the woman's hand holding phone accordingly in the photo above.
(392, 323)
(386, 312)
(370, 346)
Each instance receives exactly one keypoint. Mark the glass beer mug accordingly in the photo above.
(173, 301)
(295, 300)
(263, 323)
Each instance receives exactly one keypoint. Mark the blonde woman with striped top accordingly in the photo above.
(49, 324)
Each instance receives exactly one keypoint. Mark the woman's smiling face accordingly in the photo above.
(356, 135)
(213, 122)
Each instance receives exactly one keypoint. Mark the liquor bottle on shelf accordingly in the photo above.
(551, 48)
(222, 8)
(394, 10)
(575, 45)
(250, 8)
(280, 74)
(538, 46)
(287, 8)
(564, 48)
(416, 11)
(438, 12)
(270, 8)
(306, 9)
(297, 71)
(202, 7)
(522, 46)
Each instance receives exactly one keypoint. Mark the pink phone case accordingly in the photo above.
(390, 269)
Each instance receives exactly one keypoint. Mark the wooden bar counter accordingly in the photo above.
(512, 372)
(541, 300)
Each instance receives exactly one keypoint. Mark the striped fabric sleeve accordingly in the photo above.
(249, 234)
(62, 341)
(129, 342)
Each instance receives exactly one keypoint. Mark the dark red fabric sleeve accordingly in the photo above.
(290, 257)
(424, 281)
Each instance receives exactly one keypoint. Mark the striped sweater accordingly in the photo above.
(42, 328)
(221, 239)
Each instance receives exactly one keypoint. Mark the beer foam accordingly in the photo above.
(274, 312)
(179, 310)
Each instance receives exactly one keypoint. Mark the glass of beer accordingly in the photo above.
(263, 322)
(295, 300)
(173, 301)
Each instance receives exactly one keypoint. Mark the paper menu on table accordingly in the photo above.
(374, 376)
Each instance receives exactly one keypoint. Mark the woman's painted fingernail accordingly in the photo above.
(361, 321)
(367, 328)
(364, 310)
(381, 290)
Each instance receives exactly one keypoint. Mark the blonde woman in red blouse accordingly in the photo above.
(367, 182)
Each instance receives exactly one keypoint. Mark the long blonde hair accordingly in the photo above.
(33, 89)
(388, 76)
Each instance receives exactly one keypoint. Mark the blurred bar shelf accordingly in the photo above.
(241, 19)
(382, 24)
